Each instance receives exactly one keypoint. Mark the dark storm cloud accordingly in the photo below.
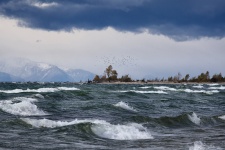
(178, 19)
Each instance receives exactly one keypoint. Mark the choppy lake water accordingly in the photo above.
(94, 116)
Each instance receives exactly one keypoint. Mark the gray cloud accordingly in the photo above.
(180, 20)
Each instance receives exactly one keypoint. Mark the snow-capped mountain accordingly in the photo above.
(80, 75)
(20, 69)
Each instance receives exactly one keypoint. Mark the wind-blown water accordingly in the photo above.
(96, 116)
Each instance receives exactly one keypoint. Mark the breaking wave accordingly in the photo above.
(131, 131)
(125, 106)
(166, 88)
(217, 88)
(21, 106)
(100, 128)
(198, 145)
(201, 91)
(198, 86)
(40, 90)
(222, 117)
(194, 118)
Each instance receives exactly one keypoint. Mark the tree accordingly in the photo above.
(114, 75)
(96, 78)
(125, 78)
(110, 73)
(217, 78)
(187, 76)
(108, 70)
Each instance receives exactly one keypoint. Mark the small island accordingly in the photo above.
(110, 76)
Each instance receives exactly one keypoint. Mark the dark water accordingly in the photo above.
(89, 116)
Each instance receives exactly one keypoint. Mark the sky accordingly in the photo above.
(142, 38)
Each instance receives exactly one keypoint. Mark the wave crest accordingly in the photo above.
(21, 106)
(125, 106)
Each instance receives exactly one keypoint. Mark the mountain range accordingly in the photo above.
(24, 70)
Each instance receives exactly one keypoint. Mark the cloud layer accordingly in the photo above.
(180, 20)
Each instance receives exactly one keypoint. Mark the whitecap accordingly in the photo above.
(198, 86)
(165, 88)
(53, 124)
(101, 128)
(222, 117)
(21, 106)
(200, 91)
(131, 131)
(39, 96)
(149, 92)
(217, 88)
(213, 84)
(198, 145)
(40, 90)
(145, 87)
(124, 106)
(194, 118)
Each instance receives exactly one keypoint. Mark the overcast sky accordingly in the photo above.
(142, 38)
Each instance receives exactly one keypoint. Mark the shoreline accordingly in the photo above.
(161, 83)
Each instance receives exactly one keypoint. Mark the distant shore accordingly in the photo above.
(220, 83)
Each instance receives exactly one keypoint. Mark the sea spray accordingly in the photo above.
(21, 106)
(198, 145)
(131, 131)
(40, 90)
(194, 118)
(101, 128)
(124, 106)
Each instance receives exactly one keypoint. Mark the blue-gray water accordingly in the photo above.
(93, 116)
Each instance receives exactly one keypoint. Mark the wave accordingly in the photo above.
(100, 128)
(198, 145)
(40, 90)
(124, 106)
(144, 92)
(39, 96)
(194, 118)
(217, 88)
(222, 117)
(130, 131)
(21, 106)
(201, 91)
(145, 87)
(198, 86)
(214, 84)
(165, 88)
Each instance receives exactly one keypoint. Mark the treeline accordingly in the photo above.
(111, 75)
(203, 77)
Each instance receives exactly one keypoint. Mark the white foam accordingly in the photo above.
(21, 106)
(53, 124)
(40, 90)
(101, 128)
(165, 88)
(122, 132)
(149, 92)
(217, 88)
(145, 87)
(39, 96)
(214, 84)
(194, 118)
(198, 86)
(200, 91)
(198, 145)
(222, 117)
(124, 106)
